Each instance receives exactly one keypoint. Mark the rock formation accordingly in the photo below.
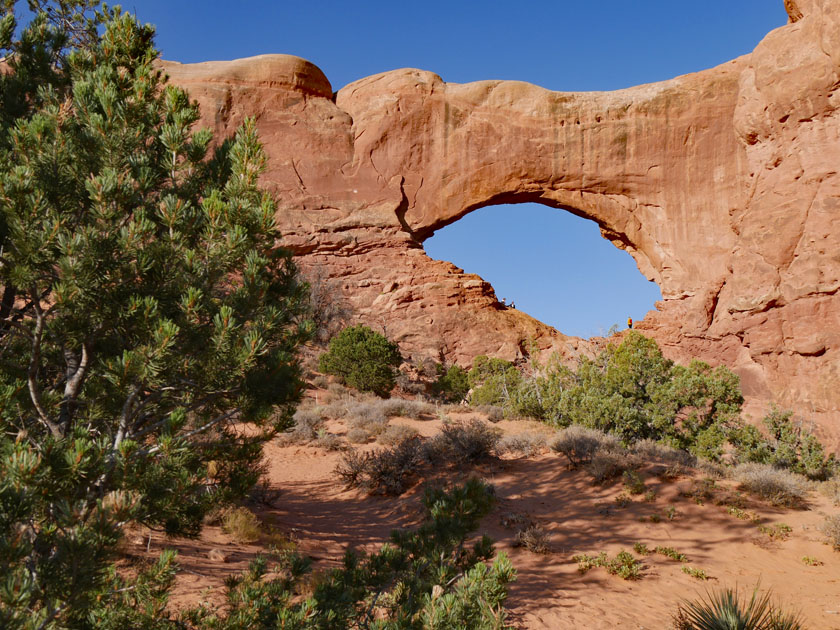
(721, 184)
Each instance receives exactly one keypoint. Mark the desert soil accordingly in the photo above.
(314, 509)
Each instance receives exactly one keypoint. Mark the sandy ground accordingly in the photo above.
(324, 518)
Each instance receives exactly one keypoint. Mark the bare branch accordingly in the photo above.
(201, 429)
(34, 364)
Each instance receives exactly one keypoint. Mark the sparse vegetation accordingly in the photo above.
(363, 359)
(633, 482)
(673, 554)
(831, 529)
(811, 561)
(697, 574)
(777, 531)
(624, 565)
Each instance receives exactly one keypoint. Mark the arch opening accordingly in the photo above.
(553, 265)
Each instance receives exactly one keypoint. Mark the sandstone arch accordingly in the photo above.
(721, 184)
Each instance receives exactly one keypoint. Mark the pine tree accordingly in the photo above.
(149, 320)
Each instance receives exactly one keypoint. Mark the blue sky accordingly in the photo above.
(552, 264)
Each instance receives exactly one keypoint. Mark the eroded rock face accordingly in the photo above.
(722, 185)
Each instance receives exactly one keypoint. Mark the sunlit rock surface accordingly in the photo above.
(721, 184)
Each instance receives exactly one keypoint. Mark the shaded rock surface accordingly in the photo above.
(721, 184)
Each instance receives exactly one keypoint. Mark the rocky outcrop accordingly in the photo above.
(722, 185)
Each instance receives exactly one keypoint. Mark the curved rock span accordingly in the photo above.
(721, 184)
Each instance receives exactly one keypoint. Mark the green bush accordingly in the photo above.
(426, 579)
(788, 445)
(363, 359)
(452, 385)
(493, 381)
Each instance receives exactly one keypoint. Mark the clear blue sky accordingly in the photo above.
(553, 265)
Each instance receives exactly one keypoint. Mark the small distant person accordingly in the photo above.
(629, 322)
(504, 302)
(513, 304)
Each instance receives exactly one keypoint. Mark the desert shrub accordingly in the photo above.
(727, 609)
(580, 444)
(387, 471)
(831, 489)
(413, 409)
(534, 538)
(607, 465)
(363, 359)
(452, 384)
(307, 423)
(327, 308)
(492, 380)
(320, 381)
(789, 445)
(494, 413)
(357, 435)
(366, 416)
(653, 451)
(396, 433)
(241, 524)
(463, 443)
(779, 487)
(831, 529)
(330, 441)
(527, 443)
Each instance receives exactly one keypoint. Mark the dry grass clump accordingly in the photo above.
(365, 417)
(320, 381)
(527, 443)
(607, 465)
(241, 524)
(494, 413)
(463, 443)
(534, 538)
(330, 441)
(677, 462)
(396, 433)
(831, 489)
(387, 471)
(307, 423)
(358, 435)
(831, 529)
(580, 444)
(413, 409)
(779, 487)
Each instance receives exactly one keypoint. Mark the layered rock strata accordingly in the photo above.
(721, 184)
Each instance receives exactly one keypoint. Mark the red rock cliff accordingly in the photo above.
(721, 184)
